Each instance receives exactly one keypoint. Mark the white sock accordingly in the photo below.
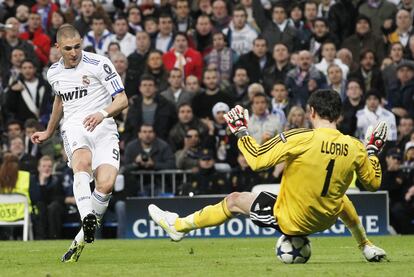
(82, 193)
(80, 237)
(100, 202)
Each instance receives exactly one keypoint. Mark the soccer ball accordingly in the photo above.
(293, 250)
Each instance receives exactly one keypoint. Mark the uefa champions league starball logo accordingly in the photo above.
(85, 80)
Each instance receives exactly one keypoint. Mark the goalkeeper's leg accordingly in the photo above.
(350, 217)
(212, 215)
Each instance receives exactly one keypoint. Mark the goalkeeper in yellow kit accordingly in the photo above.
(320, 164)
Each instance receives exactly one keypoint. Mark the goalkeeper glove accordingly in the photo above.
(237, 120)
(375, 138)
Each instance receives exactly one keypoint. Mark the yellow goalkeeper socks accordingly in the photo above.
(358, 232)
(212, 215)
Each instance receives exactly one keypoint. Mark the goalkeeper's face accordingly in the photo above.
(71, 49)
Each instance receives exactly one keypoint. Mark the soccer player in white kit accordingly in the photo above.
(85, 84)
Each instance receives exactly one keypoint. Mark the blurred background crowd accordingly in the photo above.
(184, 64)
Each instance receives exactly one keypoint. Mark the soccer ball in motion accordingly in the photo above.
(293, 250)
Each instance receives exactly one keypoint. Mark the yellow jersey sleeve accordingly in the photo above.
(284, 146)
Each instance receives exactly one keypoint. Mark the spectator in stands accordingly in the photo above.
(99, 37)
(277, 30)
(304, 79)
(395, 181)
(243, 178)
(257, 61)
(147, 152)
(187, 157)
(279, 69)
(207, 180)
(404, 22)
(121, 35)
(203, 7)
(150, 109)
(151, 27)
(183, 19)
(10, 41)
(405, 128)
(201, 37)
(12, 75)
(121, 66)
(248, 6)
(280, 103)
(346, 58)
(164, 39)
(336, 80)
(328, 53)
(353, 102)
(46, 194)
(22, 15)
(341, 18)
(175, 93)
(137, 61)
(192, 84)
(296, 118)
(183, 57)
(155, 68)
(30, 96)
(58, 19)
(240, 34)
(320, 34)
(390, 72)
(186, 121)
(238, 90)
(204, 102)
(401, 93)
(220, 16)
(12, 180)
(26, 162)
(368, 73)
(364, 38)
(14, 129)
(324, 8)
(37, 150)
(219, 139)
(37, 38)
(377, 11)
(222, 58)
(134, 19)
(263, 125)
(372, 113)
(45, 8)
(84, 19)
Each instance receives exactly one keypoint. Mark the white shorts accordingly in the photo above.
(103, 142)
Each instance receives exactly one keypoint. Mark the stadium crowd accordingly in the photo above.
(184, 64)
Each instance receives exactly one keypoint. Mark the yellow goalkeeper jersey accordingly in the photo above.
(320, 164)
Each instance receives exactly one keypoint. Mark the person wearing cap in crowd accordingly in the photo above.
(401, 92)
(364, 38)
(373, 113)
(219, 138)
(263, 125)
(207, 180)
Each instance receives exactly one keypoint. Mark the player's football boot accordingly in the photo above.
(89, 226)
(72, 255)
(166, 220)
(373, 253)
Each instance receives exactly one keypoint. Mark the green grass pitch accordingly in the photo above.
(337, 256)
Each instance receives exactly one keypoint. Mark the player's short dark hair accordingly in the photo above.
(326, 103)
(66, 31)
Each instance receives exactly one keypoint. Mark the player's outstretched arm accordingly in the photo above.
(119, 103)
(55, 117)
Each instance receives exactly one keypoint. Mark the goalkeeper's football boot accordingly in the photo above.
(89, 226)
(72, 255)
(373, 253)
(166, 220)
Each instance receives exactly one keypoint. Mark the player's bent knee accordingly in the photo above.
(232, 201)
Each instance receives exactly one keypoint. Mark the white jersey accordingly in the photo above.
(87, 88)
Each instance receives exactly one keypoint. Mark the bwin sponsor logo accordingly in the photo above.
(79, 92)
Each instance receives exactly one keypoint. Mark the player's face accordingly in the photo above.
(239, 19)
(28, 71)
(259, 105)
(71, 50)
(185, 114)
